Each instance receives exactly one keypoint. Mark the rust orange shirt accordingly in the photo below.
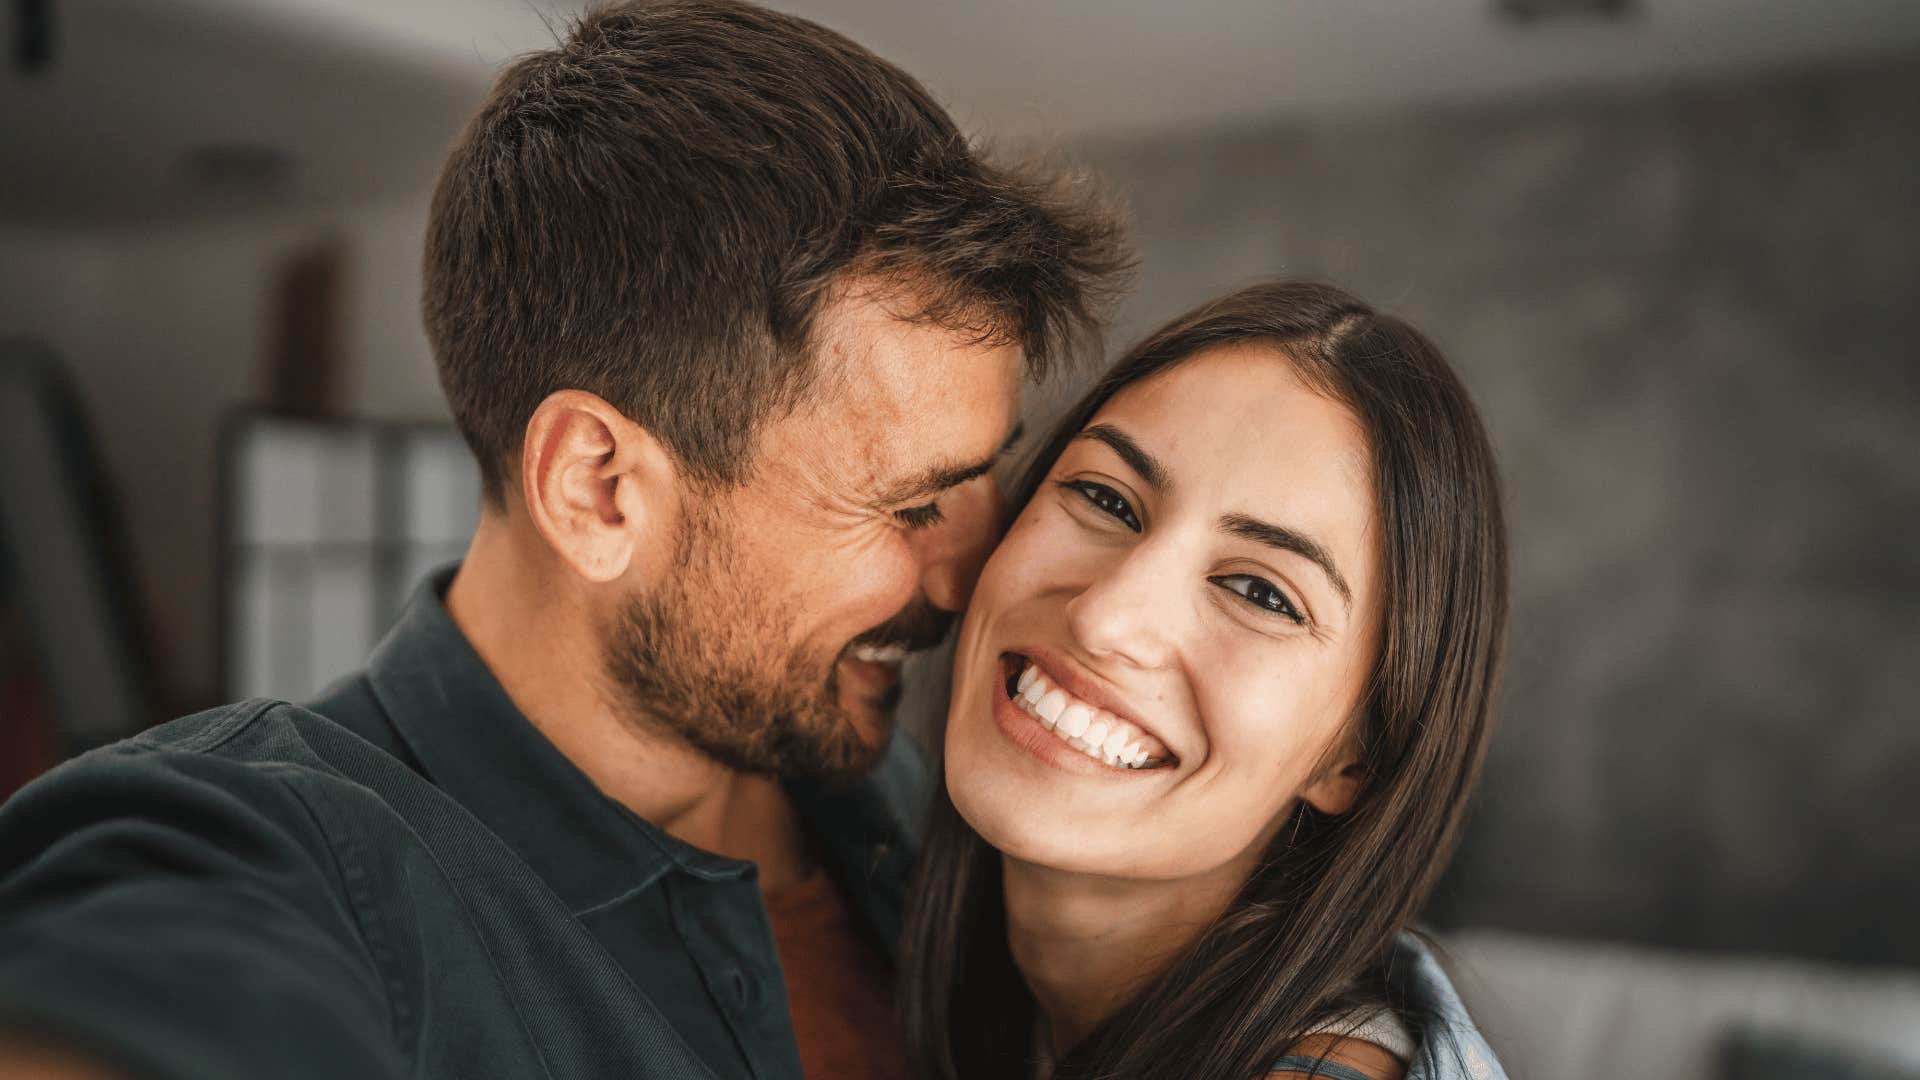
(839, 985)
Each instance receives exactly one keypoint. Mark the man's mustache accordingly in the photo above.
(918, 626)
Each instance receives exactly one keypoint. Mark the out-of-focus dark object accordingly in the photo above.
(238, 168)
(302, 374)
(33, 34)
(63, 556)
(1532, 11)
(326, 526)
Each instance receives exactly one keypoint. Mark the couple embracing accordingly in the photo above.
(736, 324)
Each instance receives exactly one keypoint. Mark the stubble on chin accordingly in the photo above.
(699, 660)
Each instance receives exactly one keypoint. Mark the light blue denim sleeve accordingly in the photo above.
(1451, 1047)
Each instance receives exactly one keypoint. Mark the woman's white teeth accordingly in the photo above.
(1097, 734)
(1051, 706)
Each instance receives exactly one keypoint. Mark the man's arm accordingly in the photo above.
(175, 914)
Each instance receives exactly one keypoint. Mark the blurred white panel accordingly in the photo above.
(442, 489)
(348, 487)
(341, 619)
(279, 479)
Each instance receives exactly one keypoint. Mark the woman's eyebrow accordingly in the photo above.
(1285, 539)
(1141, 462)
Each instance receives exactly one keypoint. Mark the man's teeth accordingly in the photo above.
(1098, 734)
(879, 654)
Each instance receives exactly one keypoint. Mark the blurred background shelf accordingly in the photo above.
(330, 525)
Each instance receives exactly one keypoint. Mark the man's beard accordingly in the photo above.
(706, 657)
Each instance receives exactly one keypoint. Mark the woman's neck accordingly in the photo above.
(1086, 944)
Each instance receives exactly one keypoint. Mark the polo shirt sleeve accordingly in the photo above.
(179, 914)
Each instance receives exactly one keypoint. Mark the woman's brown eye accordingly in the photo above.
(1260, 593)
(1106, 500)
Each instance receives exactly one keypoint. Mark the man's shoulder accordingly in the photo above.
(272, 756)
(258, 731)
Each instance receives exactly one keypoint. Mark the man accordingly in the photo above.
(734, 322)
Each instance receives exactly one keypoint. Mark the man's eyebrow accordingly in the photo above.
(1276, 536)
(939, 478)
(1146, 465)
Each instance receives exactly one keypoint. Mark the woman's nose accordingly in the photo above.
(1128, 612)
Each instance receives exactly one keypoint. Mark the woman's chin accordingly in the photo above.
(1010, 828)
(1028, 815)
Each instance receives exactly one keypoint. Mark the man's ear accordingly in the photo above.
(1335, 788)
(601, 490)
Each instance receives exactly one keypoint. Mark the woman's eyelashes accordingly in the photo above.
(1261, 594)
(1106, 500)
(1256, 592)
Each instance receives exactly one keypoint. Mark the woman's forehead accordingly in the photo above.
(1239, 436)
(1240, 418)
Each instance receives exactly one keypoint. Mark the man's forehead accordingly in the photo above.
(898, 396)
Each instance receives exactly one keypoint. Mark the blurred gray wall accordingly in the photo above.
(1690, 319)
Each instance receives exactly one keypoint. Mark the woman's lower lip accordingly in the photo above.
(1022, 730)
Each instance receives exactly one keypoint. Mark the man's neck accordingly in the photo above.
(533, 632)
(1086, 944)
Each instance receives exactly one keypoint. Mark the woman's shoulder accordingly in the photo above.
(1450, 1046)
(1428, 1035)
(1340, 1057)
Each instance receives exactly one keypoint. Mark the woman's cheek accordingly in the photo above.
(1030, 551)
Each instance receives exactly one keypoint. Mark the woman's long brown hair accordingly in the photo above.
(1304, 941)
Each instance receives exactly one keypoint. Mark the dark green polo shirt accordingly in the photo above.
(403, 879)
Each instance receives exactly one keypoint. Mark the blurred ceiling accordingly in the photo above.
(178, 107)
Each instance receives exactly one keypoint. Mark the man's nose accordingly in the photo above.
(958, 547)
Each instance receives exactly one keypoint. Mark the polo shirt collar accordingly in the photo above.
(474, 744)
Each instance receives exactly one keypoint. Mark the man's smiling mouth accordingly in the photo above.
(879, 654)
(1093, 731)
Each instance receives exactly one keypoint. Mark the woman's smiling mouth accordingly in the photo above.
(1094, 732)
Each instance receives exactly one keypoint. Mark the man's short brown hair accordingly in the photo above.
(655, 209)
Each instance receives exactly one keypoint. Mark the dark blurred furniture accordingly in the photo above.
(65, 581)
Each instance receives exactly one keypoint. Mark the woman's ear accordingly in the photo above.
(601, 490)
(1335, 789)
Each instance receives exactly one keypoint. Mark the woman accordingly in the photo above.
(1219, 700)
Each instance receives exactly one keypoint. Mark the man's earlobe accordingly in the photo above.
(600, 489)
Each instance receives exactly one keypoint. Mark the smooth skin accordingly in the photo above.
(1206, 553)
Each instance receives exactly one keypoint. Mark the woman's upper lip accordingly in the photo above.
(1069, 676)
